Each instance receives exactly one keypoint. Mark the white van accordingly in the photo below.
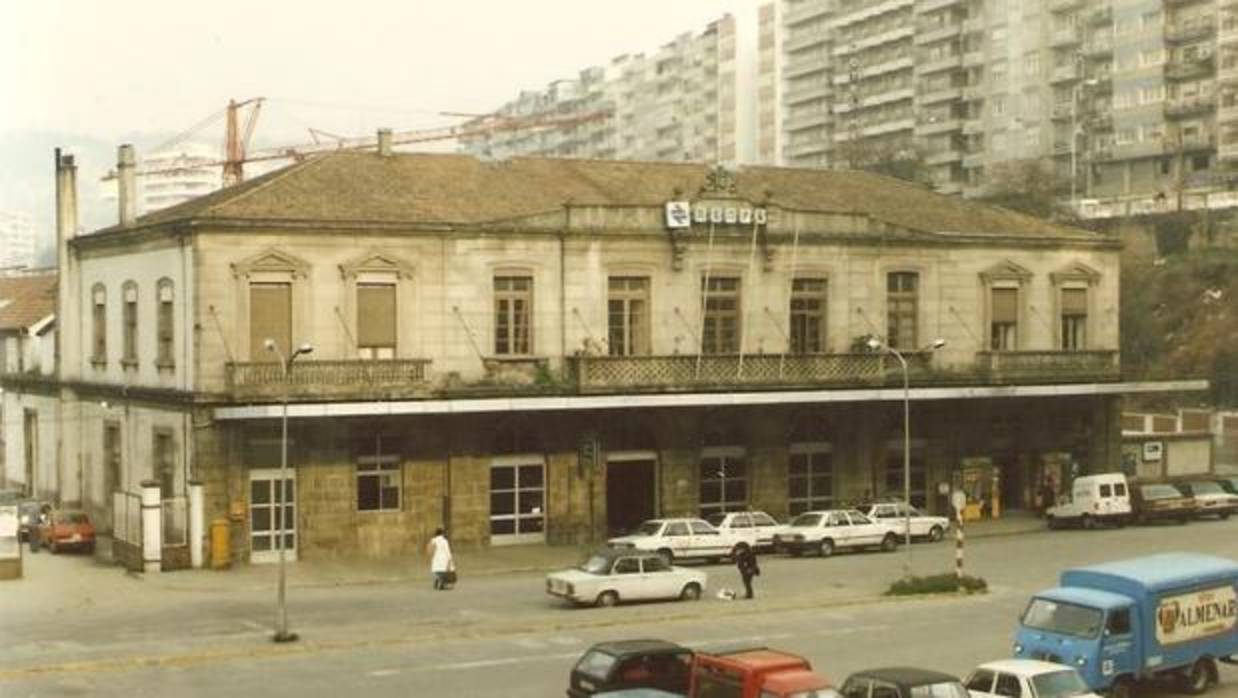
(1093, 499)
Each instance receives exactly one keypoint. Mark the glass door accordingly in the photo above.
(264, 494)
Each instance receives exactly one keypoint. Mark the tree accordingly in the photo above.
(896, 159)
(1029, 186)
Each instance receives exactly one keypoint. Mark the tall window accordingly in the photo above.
(378, 476)
(165, 356)
(270, 316)
(724, 481)
(721, 298)
(376, 321)
(1004, 320)
(894, 471)
(810, 478)
(902, 309)
(130, 317)
(517, 497)
(627, 312)
(111, 460)
(163, 461)
(513, 315)
(98, 324)
(1074, 318)
(808, 316)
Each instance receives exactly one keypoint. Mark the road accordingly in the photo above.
(503, 637)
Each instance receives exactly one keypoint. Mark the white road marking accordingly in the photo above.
(383, 672)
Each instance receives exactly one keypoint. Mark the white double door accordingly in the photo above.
(264, 504)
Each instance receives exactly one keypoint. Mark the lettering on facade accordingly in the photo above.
(680, 215)
(1196, 615)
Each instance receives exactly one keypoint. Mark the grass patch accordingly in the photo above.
(936, 584)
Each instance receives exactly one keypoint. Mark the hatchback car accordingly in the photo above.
(630, 664)
(64, 530)
(28, 513)
(902, 682)
(608, 577)
(1210, 498)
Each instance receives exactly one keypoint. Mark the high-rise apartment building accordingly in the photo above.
(173, 176)
(681, 102)
(17, 239)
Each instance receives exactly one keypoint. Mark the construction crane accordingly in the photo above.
(237, 138)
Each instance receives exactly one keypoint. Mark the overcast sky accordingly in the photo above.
(104, 69)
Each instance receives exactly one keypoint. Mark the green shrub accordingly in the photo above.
(936, 584)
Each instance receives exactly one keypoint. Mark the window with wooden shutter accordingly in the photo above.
(808, 316)
(98, 322)
(902, 310)
(270, 317)
(721, 327)
(165, 298)
(130, 318)
(376, 321)
(628, 315)
(1074, 318)
(1004, 320)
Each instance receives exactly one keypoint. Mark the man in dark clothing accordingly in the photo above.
(746, 562)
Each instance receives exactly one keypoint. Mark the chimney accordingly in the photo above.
(66, 230)
(384, 142)
(66, 197)
(127, 183)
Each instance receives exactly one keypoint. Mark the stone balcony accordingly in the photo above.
(349, 378)
(1006, 367)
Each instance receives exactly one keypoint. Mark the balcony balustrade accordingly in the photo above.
(360, 378)
(1001, 367)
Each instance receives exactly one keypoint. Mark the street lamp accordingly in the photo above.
(281, 609)
(877, 345)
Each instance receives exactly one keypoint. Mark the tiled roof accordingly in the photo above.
(25, 300)
(423, 188)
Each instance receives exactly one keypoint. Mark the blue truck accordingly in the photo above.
(1163, 616)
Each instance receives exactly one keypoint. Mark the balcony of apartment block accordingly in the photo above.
(1189, 68)
(1064, 73)
(928, 66)
(861, 12)
(873, 40)
(1063, 111)
(943, 156)
(1190, 144)
(800, 40)
(929, 95)
(1190, 30)
(710, 372)
(1098, 46)
(948, 188)
(806, 11)
(1102, 15)
(360, 379)
(808, 148)
(1180, 107)
(926, 6)
(973, 126)
(1063, 5)
(883, 127)
(1099, 121)
(1066, 36)
(808, 91)
(798, 66)
(973, 158)
(805, 119)
(972, 25)
(973, 59)
(929, 125)
(931, 32)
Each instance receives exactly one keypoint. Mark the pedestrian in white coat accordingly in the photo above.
(441, 561)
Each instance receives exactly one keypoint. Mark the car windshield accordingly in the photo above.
(1206, 488)
(806, 520)
(596, 664)
(1229, 485)
(595, 564)
(715, 520)
(945, 689)
(1062, 618)
(1159, 492)
(1059, 684)
(649, 528)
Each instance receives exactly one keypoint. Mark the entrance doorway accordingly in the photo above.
(264, 493)
(631, 491)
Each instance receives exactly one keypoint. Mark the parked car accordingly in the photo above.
(1026, 678)
(830, 530)
(27, 518)
(1157, 501)
(756, 527)
(10, 496)
(631, 664)
(1092, 500)
(677, 539)
(608, 577)
(65, 529)
(1210, 498)
(756, 673)
(923, 526)
(902, 682)
(1229, 484)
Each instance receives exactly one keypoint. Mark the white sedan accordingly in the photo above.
(1026, 678)
(827, 531)
(611, 576)
(923, 525)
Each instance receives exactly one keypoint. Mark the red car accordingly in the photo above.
(62, 530)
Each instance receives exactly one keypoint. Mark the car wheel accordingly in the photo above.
(889, 544)
(1052, 522)
(1088, 523)
(1199, 677)
(1225, 516)
(667, 555)
(826, 547)
(691, 592)
(607, 599)
(1122, 688)
(935, 534)
(55, 549)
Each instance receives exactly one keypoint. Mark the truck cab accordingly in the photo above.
(1087, 629)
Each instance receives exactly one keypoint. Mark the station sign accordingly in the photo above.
(683, 214)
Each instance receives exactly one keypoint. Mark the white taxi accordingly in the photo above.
(609, 577)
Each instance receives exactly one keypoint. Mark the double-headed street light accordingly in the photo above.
(281, 609)
(877, 345)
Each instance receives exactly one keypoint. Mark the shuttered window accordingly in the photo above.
(130, 307)
(808, 316)
(376, 320)
(270, 317)
(721, 335)
(1004, 308)
(1074, 317)
(513, 316)
(628, 315)
(902, 309)
(98, 322)
(164, 357)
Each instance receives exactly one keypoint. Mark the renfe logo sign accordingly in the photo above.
(1196, 615)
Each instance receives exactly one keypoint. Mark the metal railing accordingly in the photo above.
(331, 377)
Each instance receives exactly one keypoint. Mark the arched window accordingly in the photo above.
(98, 324)
(129, 324)
(164, 317)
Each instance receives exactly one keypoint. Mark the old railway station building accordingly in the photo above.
(548, 351)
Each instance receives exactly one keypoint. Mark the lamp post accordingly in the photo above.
(281, 608)
(878, 345)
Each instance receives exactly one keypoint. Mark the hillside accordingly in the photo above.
(1179, 319)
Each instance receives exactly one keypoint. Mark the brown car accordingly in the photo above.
(62, 530)
(1158, 501)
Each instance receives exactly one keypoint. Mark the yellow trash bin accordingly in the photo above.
(221, 546)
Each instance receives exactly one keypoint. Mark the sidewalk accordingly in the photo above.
(475, 562)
